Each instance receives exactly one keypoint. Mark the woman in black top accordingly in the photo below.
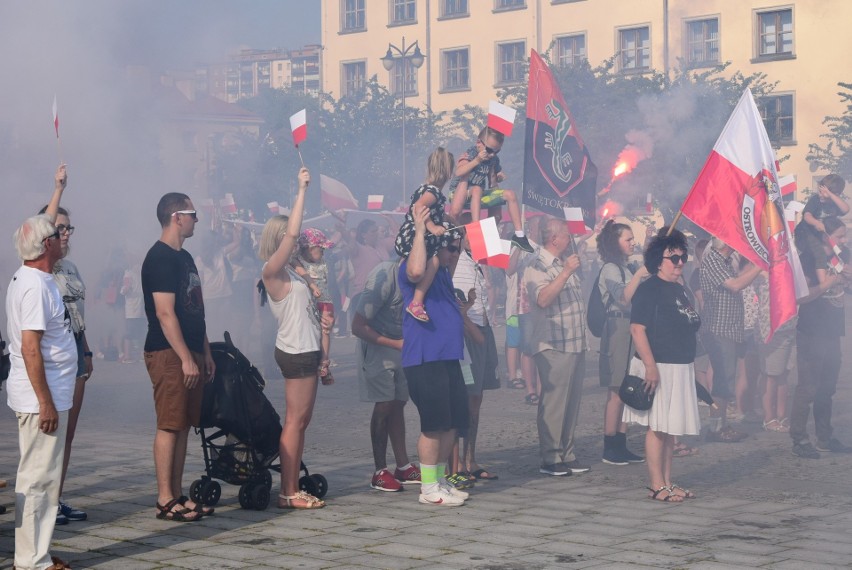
(663, 325)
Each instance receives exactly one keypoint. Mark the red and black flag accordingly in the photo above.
(558, 171)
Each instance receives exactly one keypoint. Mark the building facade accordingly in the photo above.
(473, 48)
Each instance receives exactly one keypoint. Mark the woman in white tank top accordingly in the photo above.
(297, 344)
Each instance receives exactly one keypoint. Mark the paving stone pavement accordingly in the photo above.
(758, 506)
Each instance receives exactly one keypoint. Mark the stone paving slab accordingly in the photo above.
(757, 506)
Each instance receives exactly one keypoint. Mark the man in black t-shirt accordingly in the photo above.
(177, 353)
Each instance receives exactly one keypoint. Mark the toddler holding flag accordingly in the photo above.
(439, 168)
(478, 171)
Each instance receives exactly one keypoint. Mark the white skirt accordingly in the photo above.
(675, 407)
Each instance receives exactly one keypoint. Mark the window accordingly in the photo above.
(509, 4)
(403, 11)
(775, 33)
(354, 78)
(352, 15)
(570, 50)
(634, 46)
(702, 42)
(510, 62)
(778, 118)
(410, 77)
(452, 8)
(456, 72)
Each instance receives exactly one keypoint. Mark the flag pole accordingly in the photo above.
(674, 221)
(302, 160)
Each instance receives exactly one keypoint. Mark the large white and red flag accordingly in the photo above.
(484, 239)
(335, 195)
(501, 117)
(299, 126)
(55, 116)
(736, 197)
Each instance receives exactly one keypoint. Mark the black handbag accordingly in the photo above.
(632, 392)
(5, 361)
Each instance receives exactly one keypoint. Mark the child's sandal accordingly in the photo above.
(417, 311)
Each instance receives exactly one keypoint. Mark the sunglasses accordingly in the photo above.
(188, 213)
(62, 228)
(677, 259)
(488, 149)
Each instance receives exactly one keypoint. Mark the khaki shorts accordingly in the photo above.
(380, 375)
(177, 407)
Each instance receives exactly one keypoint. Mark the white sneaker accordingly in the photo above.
(448, 487)
(441, 497)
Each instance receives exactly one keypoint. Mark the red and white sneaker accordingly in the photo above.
(409, 476)
(384, 481)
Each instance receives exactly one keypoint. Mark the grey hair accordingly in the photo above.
(29, 238)
(717, 243)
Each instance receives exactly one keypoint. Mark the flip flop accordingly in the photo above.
(484, 475)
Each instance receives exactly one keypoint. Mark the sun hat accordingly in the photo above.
(311, 237)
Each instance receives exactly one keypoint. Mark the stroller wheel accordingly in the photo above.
(260, 497)
(308, 485)
(321, 485)
(195, 490)
(210, 493)
(267, 479)
(245, 496)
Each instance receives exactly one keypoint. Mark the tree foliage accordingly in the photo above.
(836, 155)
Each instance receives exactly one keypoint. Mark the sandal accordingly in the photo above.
(518, 384)
(670, 496)
(167, 514)
(683, 450)
(484, 475)
(531, 399)
(310, 502)
(58, 564)
(417, 311)
(685, 493)
(325, 376)
(199, 508)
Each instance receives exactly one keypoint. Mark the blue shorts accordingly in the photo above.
(513, 334)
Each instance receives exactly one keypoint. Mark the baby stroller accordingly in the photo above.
(243, 446)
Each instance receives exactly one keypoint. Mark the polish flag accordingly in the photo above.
(836, 264)
(334, 194)
(274, 208)
(206, 205)
(484, 239)
(576, 224)
(55, 116)
(374, 201)
(787, 184)
(736, 198)
(649, 203)
(500, 260)
(834, 246)
(227, 204)
(790, 216)
(501, 117)
(299, 126)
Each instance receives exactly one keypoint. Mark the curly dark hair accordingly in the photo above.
(608, 247)
(660, 244)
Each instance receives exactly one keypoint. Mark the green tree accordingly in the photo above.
(836, 155)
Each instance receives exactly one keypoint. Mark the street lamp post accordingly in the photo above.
(389, 61)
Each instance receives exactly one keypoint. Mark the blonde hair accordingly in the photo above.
(270, 239)
(439, 167)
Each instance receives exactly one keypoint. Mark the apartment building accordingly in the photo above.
(252, 70)
(471, 48)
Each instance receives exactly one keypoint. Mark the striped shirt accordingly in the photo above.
(561, 325)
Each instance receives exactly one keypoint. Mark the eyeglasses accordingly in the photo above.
(488, 149)
(54, 235)
(677, 259)
(188, 213)
(62, 228)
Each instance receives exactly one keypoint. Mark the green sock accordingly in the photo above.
(442, 470)
(428, 474)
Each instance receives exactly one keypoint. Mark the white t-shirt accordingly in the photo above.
(33, 303)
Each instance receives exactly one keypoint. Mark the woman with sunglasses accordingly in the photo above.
(73, 291)
(664, 325)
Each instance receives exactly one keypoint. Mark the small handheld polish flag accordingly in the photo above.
(299, 126)
(787, 184)
(484, 239)
(576, 225)
(649, 203)
(501, 118)
(374, 201)
(55, 116)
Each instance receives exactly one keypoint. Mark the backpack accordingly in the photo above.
(595, 309)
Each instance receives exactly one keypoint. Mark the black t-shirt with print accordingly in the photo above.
(671, 322)
(168, 271)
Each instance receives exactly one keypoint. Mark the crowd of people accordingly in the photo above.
(423, 311)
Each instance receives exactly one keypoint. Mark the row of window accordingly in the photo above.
(353, 12)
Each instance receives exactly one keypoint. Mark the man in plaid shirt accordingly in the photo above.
(558, 314)
(725, 331)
